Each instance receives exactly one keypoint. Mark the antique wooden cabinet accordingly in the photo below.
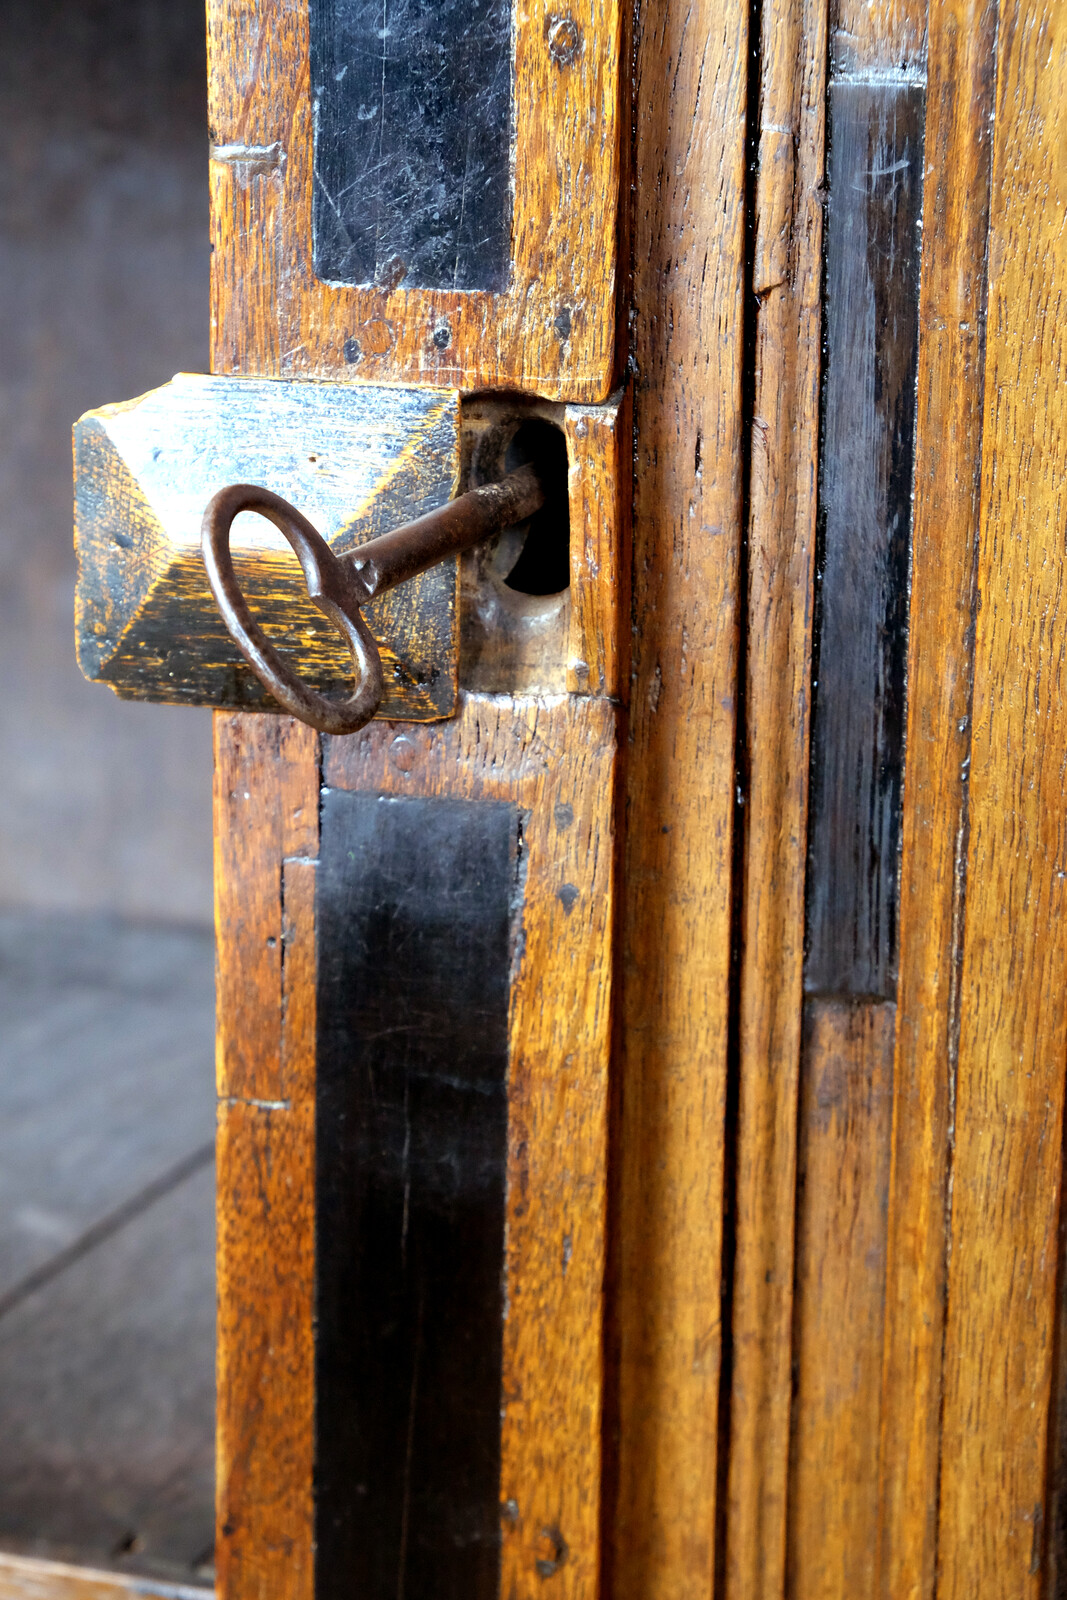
(641, 1049)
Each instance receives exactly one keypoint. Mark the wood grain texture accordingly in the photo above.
(1013, 988)
(356, 463)
(28, 1578)
(576, 640)
(877, 35)
(843, 1170)
(787, 280)
(961, 75)
(688, 248)
(599, 448)
(551, 331)
(555, 759)
(266, 828)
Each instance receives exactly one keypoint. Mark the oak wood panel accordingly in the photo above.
(843, 1170)
(29, 1578)
(787, 281)
(555, 759)
(266, 827)
(961, 68)
(599, 448)
(1013, 988)
(552, 331)
(877, 35)
(688, 246)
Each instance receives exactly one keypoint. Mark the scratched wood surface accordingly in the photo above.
(551, 330)
(842, 1177)
(1013, 982)
(576, 639)
(787, 281)
(934, 827)
(872, 264)
(554, 759)
(558, 1048)
(266, 828)
(357, 464)
(687, 233)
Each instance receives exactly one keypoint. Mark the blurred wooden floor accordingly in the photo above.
(107, 1244)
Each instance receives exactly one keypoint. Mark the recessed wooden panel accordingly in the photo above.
(412, 143)
(414, 908)
(549, 327)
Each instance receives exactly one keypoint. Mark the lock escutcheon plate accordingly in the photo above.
(358, 461)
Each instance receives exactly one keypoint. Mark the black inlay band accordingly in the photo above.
(872, 319)
(412, 109)
(414, 901)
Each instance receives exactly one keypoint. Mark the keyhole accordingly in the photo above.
(543, 565)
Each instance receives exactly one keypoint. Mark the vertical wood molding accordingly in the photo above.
(961, 73)
(688, 248)
(787, 282)
(266, 830)
(843, 1168)
(875, 167)
(1013, 993)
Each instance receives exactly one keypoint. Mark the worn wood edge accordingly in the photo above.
(599, 445)
(32, 1578)
(843, 1170)
(878, 35)
(787, 282)
(554, 757)
(687, 233)
(948, 462)
(1008, 1126)
(563, 242)
(265, 842)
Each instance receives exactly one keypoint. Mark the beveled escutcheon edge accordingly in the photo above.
(336, 591)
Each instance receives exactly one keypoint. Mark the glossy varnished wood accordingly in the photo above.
(550, 331)
(787, 280)
(687, 235)
(1013, 983)
(961, 72)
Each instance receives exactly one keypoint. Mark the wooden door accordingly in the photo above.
(641, 1091)
(415, 926)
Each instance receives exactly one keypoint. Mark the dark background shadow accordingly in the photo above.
(106, 1104)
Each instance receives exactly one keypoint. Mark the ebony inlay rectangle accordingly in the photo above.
(872, 299)
(414, 909)
(412, 114)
